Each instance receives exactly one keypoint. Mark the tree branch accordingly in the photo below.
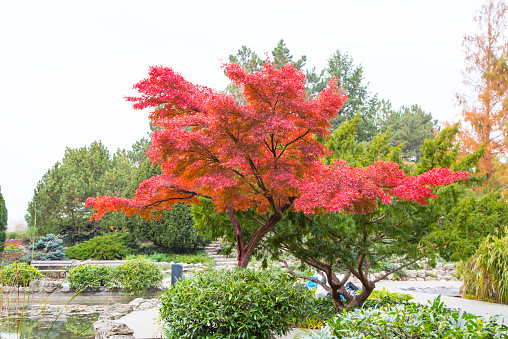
(395, 270)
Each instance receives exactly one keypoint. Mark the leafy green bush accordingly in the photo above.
(239, 303)
(410, 320)
(136, 276)
(88, 276)
(12, 235)
(485, 274)
(107, 247)
(18, 274)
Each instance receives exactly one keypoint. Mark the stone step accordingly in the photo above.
(224, 261)
(222, 256)
(226, 265)
(212, 245)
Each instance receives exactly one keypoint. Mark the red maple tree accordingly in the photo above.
(262, 155)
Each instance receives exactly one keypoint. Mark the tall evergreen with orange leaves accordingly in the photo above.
(485, 104)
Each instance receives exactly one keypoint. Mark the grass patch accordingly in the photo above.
(199, 257)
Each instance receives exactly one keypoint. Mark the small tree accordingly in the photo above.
(355, 244)
(485, 112)
(263, 155)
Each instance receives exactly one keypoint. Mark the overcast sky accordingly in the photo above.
(66, 65)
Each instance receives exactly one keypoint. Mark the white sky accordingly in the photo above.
(65, 66)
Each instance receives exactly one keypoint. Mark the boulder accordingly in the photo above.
(115, 311)
(421, 273)
(449, 267)
(462, 291)
(411, 273)
(108, 329)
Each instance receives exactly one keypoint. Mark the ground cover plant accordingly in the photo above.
(317, 311)
(199, 257)
(238, 303)
(410, 320)
(107, 247)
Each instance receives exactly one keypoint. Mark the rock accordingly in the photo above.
(115, 311)
(439, 265)
(107, 329)
(35, 285)
(420, 279)
(449, 267)
(50, 287)
(462, 291)
(440, 272)
(136, 302)
(66, 289)
(389, 276)
(411, 273)
(421, 273)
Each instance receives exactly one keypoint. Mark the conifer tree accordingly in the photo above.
(3, 221)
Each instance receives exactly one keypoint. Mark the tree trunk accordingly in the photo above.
(351, 300)
(245, 252)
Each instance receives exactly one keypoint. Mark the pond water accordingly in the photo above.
(72, 326)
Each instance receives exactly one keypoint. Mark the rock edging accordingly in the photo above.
(106, 327)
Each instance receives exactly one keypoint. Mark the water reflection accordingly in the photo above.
(72, 326)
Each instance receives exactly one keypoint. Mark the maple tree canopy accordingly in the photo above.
(263, 155)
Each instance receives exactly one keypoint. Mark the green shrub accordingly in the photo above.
(107, 247)
(410, 320)
(18, 274)
(136, 276)
(238, 303)
(485, 274)
(12, 235)
(49, 247)
(174, 232)
(88, 276)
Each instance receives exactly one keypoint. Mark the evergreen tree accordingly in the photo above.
(174, 231)
(410, 127)
(3, 221)
(59, 197)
